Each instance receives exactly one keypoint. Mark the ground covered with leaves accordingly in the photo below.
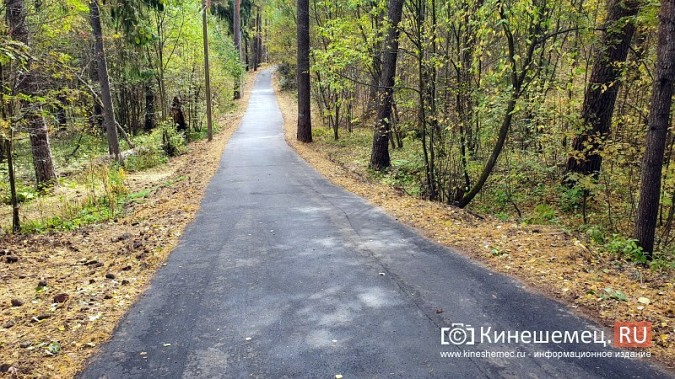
(604, 286)
(64, 292)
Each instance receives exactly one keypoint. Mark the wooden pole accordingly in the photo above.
(209, 119)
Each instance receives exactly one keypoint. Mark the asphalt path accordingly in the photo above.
(283, 275)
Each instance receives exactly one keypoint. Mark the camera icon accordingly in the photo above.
(458, 334)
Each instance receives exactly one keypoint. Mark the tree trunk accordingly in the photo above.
(254, 55)
(178, 116)
(658, 122)
(45, 175)
(496, 151)
(258, 40)
(97, 110)
(304, 133)
(375, 50)
(518, 79)
(246, 57)
(16, 224)
(379, 157)
(603, 88)
(149, 108)
(236, 37)
(106, 96)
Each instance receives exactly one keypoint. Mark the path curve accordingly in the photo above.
(283, 275)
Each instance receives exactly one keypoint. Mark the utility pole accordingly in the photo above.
(205, 31)
(236, 36)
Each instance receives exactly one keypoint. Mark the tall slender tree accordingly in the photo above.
(32, 112)
(304, 111)
(657, 129)
(257, 41)
(519, 80)
(236, 37)
(16, 222)
(379, 156)
(603, 87)
(104, 80)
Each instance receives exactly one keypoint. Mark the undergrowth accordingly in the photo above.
(91, 189)
(525, 194)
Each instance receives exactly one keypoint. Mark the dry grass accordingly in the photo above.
(547, 259)
(75, 286)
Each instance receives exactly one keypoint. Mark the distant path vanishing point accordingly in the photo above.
(283, 275)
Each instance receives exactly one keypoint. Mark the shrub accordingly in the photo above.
(626, 247)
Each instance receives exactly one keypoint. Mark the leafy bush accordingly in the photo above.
(173, 142)
(145, 159)
(287, 77)
(596, 235)
(542, 214)
(154, 148)
(626, 247)
(23, 194)
(662, 263)
(571, 199)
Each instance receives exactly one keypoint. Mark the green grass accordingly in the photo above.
(353, 150)
(87, 215)
(103, 184)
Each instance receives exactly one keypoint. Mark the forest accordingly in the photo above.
(531, 111)
(91, 91)
(531, 136)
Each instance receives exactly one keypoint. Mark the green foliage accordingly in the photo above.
(106, 200)
(541, 214)
(287, 76)
(137, 196)
(24, 194)
(88, 215)
(145, 158)
(627, 248)
(662, 263)
(11, 50)
(199, 134)
(282, 37)
(405, 174)
(609, 293)
(154, 52)
(571, 199)
(156, 148)
(173, 142)
(596, 235)
(502, 216)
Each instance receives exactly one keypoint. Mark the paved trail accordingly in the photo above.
(283, 275)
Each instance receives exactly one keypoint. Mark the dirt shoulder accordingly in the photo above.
(547, 259)
(75, 286)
